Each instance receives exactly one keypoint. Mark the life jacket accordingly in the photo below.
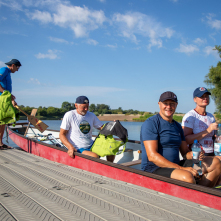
(8, 113)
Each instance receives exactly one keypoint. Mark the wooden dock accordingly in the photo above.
(33, 188)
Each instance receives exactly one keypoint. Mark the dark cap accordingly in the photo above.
(82, 100)
(14, 61)
(168, 95)
(200, 91)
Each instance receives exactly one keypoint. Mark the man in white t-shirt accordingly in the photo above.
(76, 129)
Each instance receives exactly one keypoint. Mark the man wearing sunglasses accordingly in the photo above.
(6, 84)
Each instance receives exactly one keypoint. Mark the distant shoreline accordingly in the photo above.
(104, 117)
(122, 117)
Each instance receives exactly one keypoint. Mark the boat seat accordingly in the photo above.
(131, 163)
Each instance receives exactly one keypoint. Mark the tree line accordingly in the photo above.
(57, 113)
(213, 80)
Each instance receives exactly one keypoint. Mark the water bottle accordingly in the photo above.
(196, 153)
(217, 142)
(196, 150)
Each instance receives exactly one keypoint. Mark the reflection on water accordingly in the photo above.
(133, 129)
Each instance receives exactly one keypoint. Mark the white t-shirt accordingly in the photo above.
(80, 128)
(200, 123)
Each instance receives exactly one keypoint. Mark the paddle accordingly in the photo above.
(38, 124)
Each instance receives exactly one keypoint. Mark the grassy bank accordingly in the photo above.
(142, 118)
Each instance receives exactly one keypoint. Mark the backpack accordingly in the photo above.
(105, 144)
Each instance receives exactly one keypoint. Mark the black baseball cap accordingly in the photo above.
(82, 100)
(168, 95)
(200, 91)
(14, 61)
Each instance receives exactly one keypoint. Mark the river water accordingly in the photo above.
(133, 129)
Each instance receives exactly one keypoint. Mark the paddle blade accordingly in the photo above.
(38, 124)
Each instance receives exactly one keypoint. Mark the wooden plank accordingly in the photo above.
(131, 163)
(33, 113)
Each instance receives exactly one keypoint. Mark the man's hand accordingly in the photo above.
(191, 170)
(201, 156)
(14, 103)
(71, 152)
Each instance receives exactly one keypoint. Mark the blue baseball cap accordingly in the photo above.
(14, 61)
(200, 91)
(82, 100)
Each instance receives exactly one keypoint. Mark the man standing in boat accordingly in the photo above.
(161, 140)
(76, 129)
(6, 84)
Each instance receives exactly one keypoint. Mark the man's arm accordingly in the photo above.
(64, 140)
(185, 152)
(151, 147)
(190, 137)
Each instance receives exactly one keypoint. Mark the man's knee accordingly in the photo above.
(89, 153)
(217, 164)
(183, 175)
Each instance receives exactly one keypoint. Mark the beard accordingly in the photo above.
(83, 113)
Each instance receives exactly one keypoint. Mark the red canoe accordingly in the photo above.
(210, 197)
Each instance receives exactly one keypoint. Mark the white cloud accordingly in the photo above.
(13, 4)
(210, 51)
(102, 1)
(213, 23)
(134, 24)
(187, 49)
(58, 40)
(52, 54)
(199, 41)
(2, 64)
(80, 20)
(111, 46)
(44, 17)
(34, 81)
(92, 42)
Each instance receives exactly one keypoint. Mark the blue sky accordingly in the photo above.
(120, 53)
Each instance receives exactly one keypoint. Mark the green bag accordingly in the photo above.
(107, 145)
(8, 113)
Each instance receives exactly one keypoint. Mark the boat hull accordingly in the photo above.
(195, 193)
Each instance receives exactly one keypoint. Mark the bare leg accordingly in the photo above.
(2, 128)
(89, 153)
(212, 169)
(183, 175)
(111, 158)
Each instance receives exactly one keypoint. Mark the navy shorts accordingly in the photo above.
(163, 171)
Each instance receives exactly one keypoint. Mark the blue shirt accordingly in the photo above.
(5, 79)
(169, 137)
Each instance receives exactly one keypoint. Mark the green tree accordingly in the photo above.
(92, 108)
(42, 111)
(66, 106)
(213, 80)
(101, 107)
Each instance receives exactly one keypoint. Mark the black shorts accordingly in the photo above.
(209, 154)
(164, 171)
